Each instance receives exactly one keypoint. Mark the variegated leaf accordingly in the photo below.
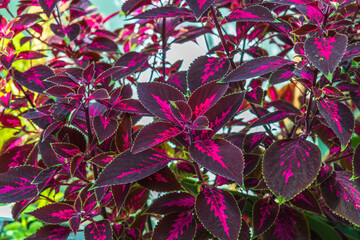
(104, 127)
(55, 213)
(340, 119)
(128, 167)
(326, 53)
(264, 215)
(255, 68)
(199, 7)
(219, 213)
(220, 157)
(255, 13)
(290, 165)
(342, 195)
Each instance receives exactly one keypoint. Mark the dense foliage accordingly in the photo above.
(257, 139)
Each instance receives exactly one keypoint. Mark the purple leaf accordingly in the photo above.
(156, 98)
(119, 194)
(206, 69)
(221, 113)
(251, 14)
(220, 157)
(172, 202)
(253, 140)
(131, 106)
(62, 81)
(255, 68)
(51, 232)
(178, 80)
(352, 50)
(48, 6)
(131, 167)
(290, 166)
(16, 184)
(181, 111)
(271, 118)
(27, 55)
(123, 139)
(245, 231)
(154, 134)
(255, 96)
(290, 224)
(292, 2)
(55, 213)
(340, 119)
(103, 44)
(98, 230)
(205, 97)
(199, 7)
(251, 162)
(20, 206)
(282, 75)
(312, 13)
(114, 71)
(104, 127)
(200, 123)
(307, 201)
(176, 226)
(219, 213)
(161, 12)
(99, 94)
(103, 159)
(33, 79)
(326, 53)
(59, 91)
(161, 181)
(131, 62)
(7, 60)
(356, 163)
(342, 195)
(264, 215)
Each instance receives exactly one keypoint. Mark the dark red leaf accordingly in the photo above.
(251, 162)
(132, 5)
(305, 29)
(62, 81)
(103, 44)
(206, 69)
(176, 226)
(131, 106)
(16, 184)
(154, 134)
(245, 231)
(33, 78)
(352, 50)
(342, 195)
(99, 94)
(98, 230)
(219, 213)
(104, 127)
(55, 213)
(131, 167)
(253, 140)
(220, 157)
(7, 60)
(340, 119)
(156, 98)
(281, 75)
(161, 12)
(251, 14)
(161, 181)
(199, 7)
(178, 80)
(290, 166)
(48, 6)
(205, 97)
(255, 68)
(326, 53)
(264, 215)
(108, 73)
(200, 123)
(51, 232)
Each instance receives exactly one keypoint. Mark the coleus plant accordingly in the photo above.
(201, 168)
